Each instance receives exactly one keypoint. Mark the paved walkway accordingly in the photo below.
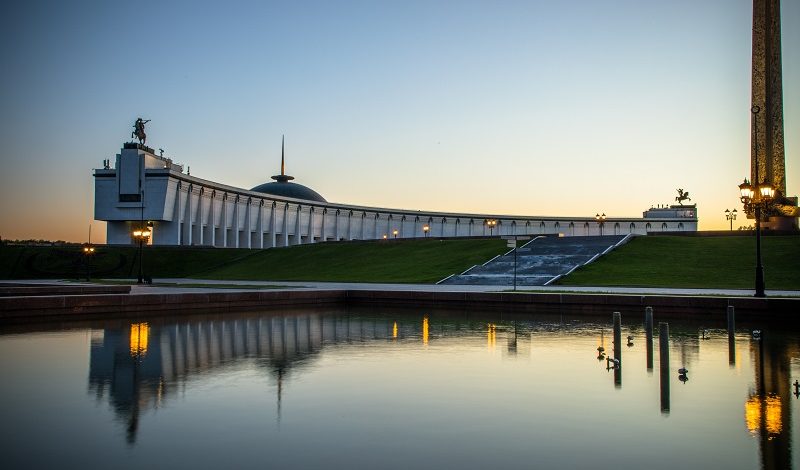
(457, 288)
(143, 289)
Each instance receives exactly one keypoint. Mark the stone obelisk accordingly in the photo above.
(767, 94)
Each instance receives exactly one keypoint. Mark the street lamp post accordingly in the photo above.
(491, 223)
(88, 251)
(395, 232)
(425, 229)
(141, 236)
(757, 197)
(730, 215)
(600, 218)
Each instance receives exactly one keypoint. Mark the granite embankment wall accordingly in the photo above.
(69, 307)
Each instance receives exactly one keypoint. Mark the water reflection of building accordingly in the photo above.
(140, 365)
(767, 412)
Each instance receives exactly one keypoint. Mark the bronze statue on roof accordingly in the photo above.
(682, 196)
(138, 130)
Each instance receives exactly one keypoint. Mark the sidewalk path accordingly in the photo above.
(460, 288)
(278, 285)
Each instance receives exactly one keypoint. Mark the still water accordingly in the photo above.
(395, 389)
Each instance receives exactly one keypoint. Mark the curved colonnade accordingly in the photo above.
(189, 211)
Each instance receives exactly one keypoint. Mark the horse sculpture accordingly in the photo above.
(138, 130)
(682, 196)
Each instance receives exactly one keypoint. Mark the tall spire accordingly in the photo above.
(283, 161)
(283, 177)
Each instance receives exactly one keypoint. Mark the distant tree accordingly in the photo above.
(39, 242)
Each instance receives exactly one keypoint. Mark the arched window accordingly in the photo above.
(616, 228)
(633, 227)
(680, 225)
(648, 227)
(664, 227)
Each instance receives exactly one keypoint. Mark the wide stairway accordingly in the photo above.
(539, 261)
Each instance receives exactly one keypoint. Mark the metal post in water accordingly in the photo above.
(663, 349)
(515, 265)
(731, 339)
(618, 349)
(648, 327)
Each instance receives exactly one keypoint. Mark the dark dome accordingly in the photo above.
(287, 189)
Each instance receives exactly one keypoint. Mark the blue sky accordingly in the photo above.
(534, 108)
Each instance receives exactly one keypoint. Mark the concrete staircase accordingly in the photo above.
(539, 262)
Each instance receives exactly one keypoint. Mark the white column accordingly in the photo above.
(247, 221)
(213, 218)
(336, 226)
(176, 217)
(322, 235)
(273, 226)
(311, 212)
(223, 223)
(201, 219)
(261, 224)
(350, 225)
(363, 225)
(198, 217)
(235, 222)
(285, 225)
(298, 236)
(377, 219)
(187, 223)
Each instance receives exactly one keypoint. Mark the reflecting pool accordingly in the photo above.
(381, 388)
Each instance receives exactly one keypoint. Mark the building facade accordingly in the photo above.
(182, 210)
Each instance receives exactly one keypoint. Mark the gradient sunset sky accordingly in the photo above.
(533, 107)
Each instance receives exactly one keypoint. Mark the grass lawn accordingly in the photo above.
(375, 261)
(655, 261)
(694, 262)
(411, 261)
(51, 262)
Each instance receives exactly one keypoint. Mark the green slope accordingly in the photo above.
(377, 261)
(387, 261)
(700, 262)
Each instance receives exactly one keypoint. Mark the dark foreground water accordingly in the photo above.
(383, 389)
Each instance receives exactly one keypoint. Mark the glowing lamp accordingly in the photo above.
(766, 190)
(746, 190)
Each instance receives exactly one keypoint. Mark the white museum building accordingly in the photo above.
(143, 188)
